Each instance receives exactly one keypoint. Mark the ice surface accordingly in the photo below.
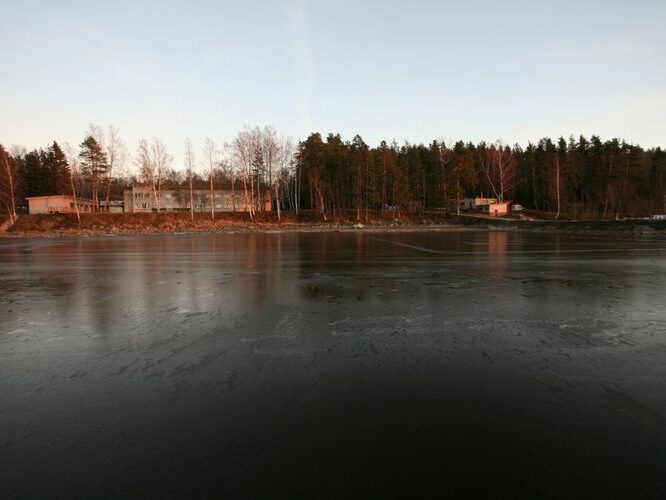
(340, 363)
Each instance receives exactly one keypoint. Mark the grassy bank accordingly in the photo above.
(67, 224)
(305, 220)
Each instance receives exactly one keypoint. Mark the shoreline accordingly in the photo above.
(66, 225)
(407, 228)
(636, 231)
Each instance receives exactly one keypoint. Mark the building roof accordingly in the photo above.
(78, 198)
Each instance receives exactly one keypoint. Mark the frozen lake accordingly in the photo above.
(333, 363)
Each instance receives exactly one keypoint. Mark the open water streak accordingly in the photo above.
(333, 363)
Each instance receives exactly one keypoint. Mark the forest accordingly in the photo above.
(574, 178)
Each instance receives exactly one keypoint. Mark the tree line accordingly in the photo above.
(575, 178)
(565, 178)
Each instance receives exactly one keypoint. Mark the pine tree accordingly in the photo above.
(93, 165)
(461, 173)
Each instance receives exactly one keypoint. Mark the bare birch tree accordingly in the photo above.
(499, 166)
(73, 161)
(190, 165)
(284, 159)
(211, 157)
(8, 180)
(269, 153)
(153, 161)
(116, 154)
(257, 165)
(298, 166)
(146, 168)
(231, 162)
(243, 151)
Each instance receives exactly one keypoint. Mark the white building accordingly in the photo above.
(142, 199)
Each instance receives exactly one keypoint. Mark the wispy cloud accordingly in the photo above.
(305, 64)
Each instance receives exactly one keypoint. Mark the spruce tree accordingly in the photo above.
(61, 169)
(33, 174)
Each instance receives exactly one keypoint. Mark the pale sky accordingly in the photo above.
(416, 71)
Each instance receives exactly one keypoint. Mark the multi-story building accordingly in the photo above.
(114, 206)
(142, 199)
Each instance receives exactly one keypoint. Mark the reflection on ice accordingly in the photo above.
(235, 364)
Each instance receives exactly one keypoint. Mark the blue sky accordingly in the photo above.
(473, 70)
